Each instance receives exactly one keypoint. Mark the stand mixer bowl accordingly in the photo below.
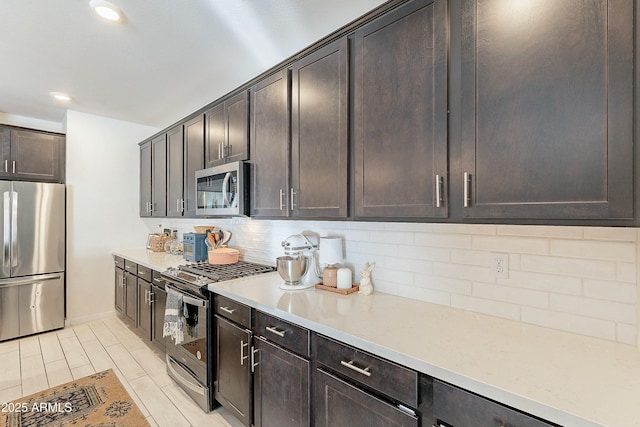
(292, 269)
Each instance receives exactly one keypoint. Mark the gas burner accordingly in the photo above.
(199, 274)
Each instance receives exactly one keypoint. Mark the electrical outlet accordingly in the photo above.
(500, 265)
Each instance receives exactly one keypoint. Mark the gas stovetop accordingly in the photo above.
(202, 273)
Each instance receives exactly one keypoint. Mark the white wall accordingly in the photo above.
(576, 279)
(102, 207)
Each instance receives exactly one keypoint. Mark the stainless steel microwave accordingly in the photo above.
(223, 190)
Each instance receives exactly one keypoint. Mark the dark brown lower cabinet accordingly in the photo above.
(131, 297)
(119, 288)
(158, 303)
(144, 308)
(233, 379)
(339, 403)
(281, 387)
(461, 408)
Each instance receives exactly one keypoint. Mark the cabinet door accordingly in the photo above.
(175, 172)
(270, 146)
(158, 303)
(233, 374)
(144, 308)
(340, 404)
(131, 297)
(547, 109)
(215, 136)
(159, 176)
(280, 373)
(400, 120)
(119, 289)
(319, 131)
(237, 121)
(145, 179)
(5, 152)
(36, 156)
(193, 161)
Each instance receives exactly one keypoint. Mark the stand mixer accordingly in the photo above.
(298, 266)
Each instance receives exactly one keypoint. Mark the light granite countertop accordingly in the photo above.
(565, 378)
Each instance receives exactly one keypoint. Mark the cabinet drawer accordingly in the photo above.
(387, 378)
(144, 273)
(232, 310)
(283, 333)
(131, 267)
(157, 279)
(462, 408)
(119, 262)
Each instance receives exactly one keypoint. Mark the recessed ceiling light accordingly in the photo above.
(107, 10)
(60, 96)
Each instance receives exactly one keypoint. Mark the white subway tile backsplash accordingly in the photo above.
(569, 267)
(599, 309)
(622, 234)
(480, 305)
(583, 325)
(590, 249)
(519, 296)
(522, 245)
(543, 282)
(610, 291)
(577, 279)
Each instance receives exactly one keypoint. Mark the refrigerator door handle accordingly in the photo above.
(14, 229)
(6, 254)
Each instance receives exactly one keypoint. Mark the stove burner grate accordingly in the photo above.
(226, 271)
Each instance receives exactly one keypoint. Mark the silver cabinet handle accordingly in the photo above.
(6, 166)
(254, 351)
(146, 296)
(177, 205)
(181, 205)
(293, 193)
(353, 367)
(228, 310)
(274, 330)
(158, 279)
(13, 167)
(438, 191)
(466, 184)
(242, 356)
(281, 201)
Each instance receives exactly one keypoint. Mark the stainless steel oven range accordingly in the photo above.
(190, 363)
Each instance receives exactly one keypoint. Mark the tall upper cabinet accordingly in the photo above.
(319, 133)
(175, 171)
(270, 146)
(153, 177)
(30, 155)
(227, 137)
(546, 109)
(400, 113)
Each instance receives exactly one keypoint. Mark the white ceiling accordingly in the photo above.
(168, 59)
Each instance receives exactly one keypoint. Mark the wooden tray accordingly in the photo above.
(353, 289)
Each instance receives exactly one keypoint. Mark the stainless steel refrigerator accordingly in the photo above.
(32, 259)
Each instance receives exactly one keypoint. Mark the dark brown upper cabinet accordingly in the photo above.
(193, 161)
(175, 171)
(145, 179)
(153, 177)
(29, 155)
(546, 111)
(319, 133)
(270, 146)
(227, 131)
(400, 113)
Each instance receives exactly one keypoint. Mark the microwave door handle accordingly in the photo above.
(225, 183)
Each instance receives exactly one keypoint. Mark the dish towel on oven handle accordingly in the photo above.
(173, 317)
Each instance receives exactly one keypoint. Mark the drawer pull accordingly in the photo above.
(273, 330)
(228, 310)
(353, 367)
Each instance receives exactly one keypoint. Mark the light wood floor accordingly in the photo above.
(32, 364)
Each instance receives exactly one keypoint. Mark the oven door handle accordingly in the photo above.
(181, 377)
(190, 300)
